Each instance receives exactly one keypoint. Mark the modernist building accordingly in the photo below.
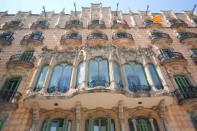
(98, 70)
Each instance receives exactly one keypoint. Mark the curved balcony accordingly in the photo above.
(188, 37)
(150, 23)
(97, 39)
(11, 104)
(160, 39)
(6, 38)
(122, 39)
(119, 24)
(176, 23)
(76, 24)
(187, 98)
(96, 24)
(195, 20)
(40, 24)
(194, 58)
(175, 58)
(14, 25)
(35, 38)
(71, 39)
(21, 61)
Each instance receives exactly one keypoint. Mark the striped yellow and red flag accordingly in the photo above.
(157, 19)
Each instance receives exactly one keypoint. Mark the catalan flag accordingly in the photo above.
(157, 19)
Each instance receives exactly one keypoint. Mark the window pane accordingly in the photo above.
(64, 82)
(42, 78)
(117, 74)
(81, 73)
(155, 77)
(54, 83)
(93, 71)
(103, 71)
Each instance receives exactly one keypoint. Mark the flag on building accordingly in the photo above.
(157, 19)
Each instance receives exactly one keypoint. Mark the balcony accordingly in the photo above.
(96, 24)
(13, 25)
(97, 39)
(186, 98)
(72, 39)
(21, 61)
(176, 23)
(150, 23)
(76, 24)
(174, 58)
(119, 24)
(160, 39)
(11, 103)
(188, 37)
(6, 38)
(122, 39)
(34, 39)
(195, 20)
(194, 58)
(40, 24)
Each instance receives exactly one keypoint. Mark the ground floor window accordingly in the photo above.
(100, 124)
(58, 124)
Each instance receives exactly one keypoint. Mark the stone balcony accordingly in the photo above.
(71, 39)
(10, 104)
(162, 40)
(177, 23)
(97, 39)
(119, 24)
(122, 39)
(13, 25)
(74, 24)
(187, 98)
(96, 24)
(175, 58)
(33, 39)
(40, 24)
(6, 38)
(188, 38)
(21, 61)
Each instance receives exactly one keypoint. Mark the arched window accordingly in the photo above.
(100, 124)
(98, 72)
(58, 124)
(42, 78)
(81, 73)
(155, 77)
(136, 77)
(60, 80)
(117, 74)
(143, 124)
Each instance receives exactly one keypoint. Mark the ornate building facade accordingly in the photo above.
(98, 70)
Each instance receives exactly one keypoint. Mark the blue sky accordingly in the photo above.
(12, 6)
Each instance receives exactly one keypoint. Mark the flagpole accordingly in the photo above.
(44, 12)
(117, 8)
(194, 9)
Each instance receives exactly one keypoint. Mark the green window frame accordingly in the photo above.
(100, 124)
(58, 124)
(184, 85)
(9, 89)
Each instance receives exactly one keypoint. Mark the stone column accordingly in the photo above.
(35, 116)
(84, 84)
(49, 74)
(121, 115)
(152, 124)
(74, 74)
(111, 72)
(134, 124)
(124, 78)
(78, 116)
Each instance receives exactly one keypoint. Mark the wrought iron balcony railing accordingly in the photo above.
(33, 37)
(71, 39)
(194, 58)
(74, 36)
(15, 24)
(6, 38)
(9, 103)
(155, 36)
(119, 24)
(188, 94)
(95, 83)
(176, 23)
(42, 24)
(173, 56)
(22, 60)
(186, 35)
(96, 24)
(96, 35)
(122, 35)
(195, 20)
(74, 24)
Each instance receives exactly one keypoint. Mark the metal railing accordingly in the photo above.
(97, 36)
(121, 35)
(171, 56)
(96, 23)
(186, 35)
